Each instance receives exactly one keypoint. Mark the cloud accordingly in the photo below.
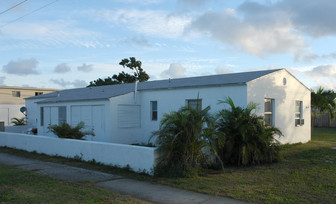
(137, 41)
(62, 68)
(273, 27)
(175, 70)
(22, 35)
(193, 3)
(222, 70)
(323, 75)
(21, 67)
(79, 83)
(323, 71)
(158, 23)
(2, 80)
(311, 56)
(315, 18)
(258, 36)
(75, 84)
(85, 68)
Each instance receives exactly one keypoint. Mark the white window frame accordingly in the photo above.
(153, 111)
(271, 113)
(42, 116)
(60, 114)
(298, 113)
(189, 101)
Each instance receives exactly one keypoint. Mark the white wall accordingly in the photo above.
(271, 86)
(33, 112)
(9, 111)
(173, 99)
(18, 129)
(138, 158)
(101, 135)
(124, 135)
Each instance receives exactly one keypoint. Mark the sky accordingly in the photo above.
(68, 43)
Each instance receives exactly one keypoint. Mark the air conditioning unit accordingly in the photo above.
(301, 121)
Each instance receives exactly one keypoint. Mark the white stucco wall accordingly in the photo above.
(33, 112)
(124, 135)
(9, 111)
(173, 99)
(138, 158)
(43, 130)
(271, 86)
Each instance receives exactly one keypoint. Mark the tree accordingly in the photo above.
(123, 78)
(323, 101)
(181, 140)
(245, 140)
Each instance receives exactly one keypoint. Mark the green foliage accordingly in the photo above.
(181, 139)
(123, 78)
(66, 131)
(323, 101)
(244, 139)
(19, 121)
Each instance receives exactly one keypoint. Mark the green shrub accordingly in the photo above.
(181, 139)
(19, 121)
(244, 139)
(66, 131)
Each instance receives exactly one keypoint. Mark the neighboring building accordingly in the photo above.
(129, 113)
(12, 99)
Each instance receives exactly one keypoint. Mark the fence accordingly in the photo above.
(324, 121)
(139, 159)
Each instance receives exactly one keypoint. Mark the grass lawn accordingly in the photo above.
(19, 186)
(325, 134)
(307, 174)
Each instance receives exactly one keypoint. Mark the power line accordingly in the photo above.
(16, 5)
(34, 11)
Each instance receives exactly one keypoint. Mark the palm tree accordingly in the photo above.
(323, 101)
(245, 139)
(181, 140)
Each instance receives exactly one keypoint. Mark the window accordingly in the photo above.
(16, 93)
(298, 113)
(61, 114)
(269, 112)
(154, 110)
(42, 116)
(195, 103)
(38, 93)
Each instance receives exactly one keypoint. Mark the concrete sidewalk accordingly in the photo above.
(155, 193)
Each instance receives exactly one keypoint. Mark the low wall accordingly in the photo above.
(18, 129)
(137, 157)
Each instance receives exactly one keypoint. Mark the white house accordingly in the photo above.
(129, 113)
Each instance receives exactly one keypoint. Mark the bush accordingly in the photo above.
(180, 139)
(19, 121)
(66, 131)
(244, 139)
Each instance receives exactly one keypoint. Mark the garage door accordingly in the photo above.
(93, 118)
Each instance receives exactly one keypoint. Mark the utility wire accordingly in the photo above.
(16, 5)
(28, 14)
